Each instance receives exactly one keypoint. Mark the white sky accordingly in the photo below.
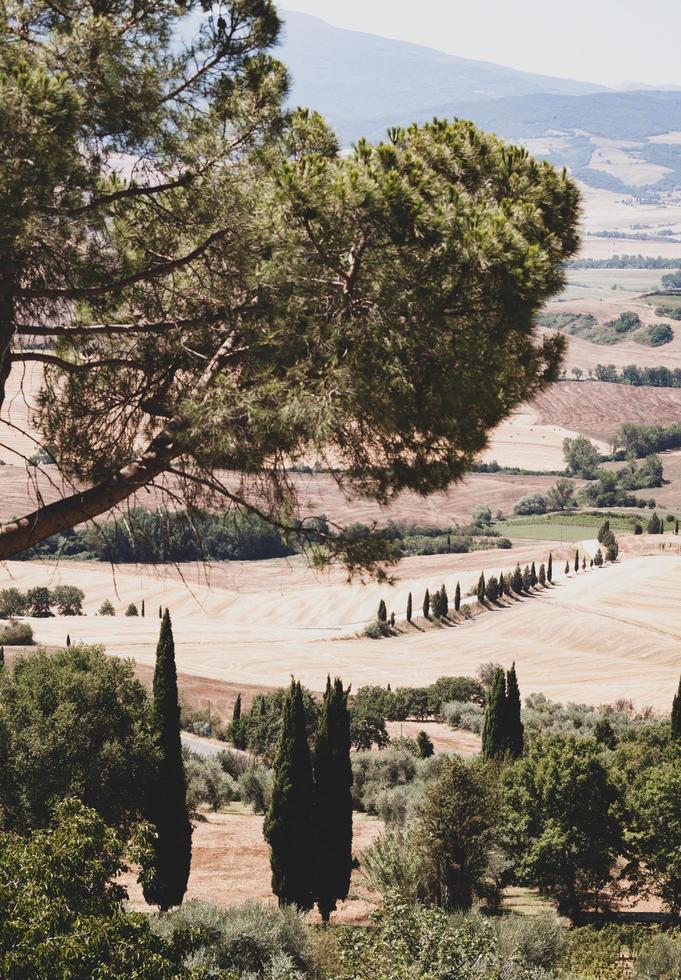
(603, 41)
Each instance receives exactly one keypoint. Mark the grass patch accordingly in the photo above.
(668, 300)
(567, 527)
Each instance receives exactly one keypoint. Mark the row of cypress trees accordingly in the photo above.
(503, 733)
(309, 822)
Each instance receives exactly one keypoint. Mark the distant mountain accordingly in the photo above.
(363, 83)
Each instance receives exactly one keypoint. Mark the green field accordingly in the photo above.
(564, 527)
(664, 299)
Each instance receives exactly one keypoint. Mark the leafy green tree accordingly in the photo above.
(12, 603)
(426, 605)
(219, 179)
(653, 834)
(382, 615)
(166, 881)
(457, 597)
(581, 457)
(495, 730)
(515, 736)
(676, 714)
(563, 832)
(68, 599)
(549, 570)
(39, 602)
(409, 608)
(333, 800)
(561, 494)
(132, 610)
(455, 831)
(62, 910)
(289, 824)
(45, 699)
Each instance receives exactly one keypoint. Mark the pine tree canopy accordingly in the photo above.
(219, 285)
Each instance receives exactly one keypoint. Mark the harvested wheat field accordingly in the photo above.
(598, 408)
(594, 637)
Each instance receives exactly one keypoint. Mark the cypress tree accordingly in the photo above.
(583, 564)
(494, 731)
(517, 581)
(502, 585)
(445, 601)
(68, 639)
(676, 715)
(567, 567)
(142, 612)
(289, 825)
(676, 527)
(409, 609)
(591, 563)
(514, 725)
(533, 576)
(542, 575)
(481, 587)
(576, 561)
(160, 613)
(457, 598)
(236, 713)
(2, 656)
(167, 810)
(333, 800)
(549, 570)
(392, 618)
(382, 614)
(426, 605)
(527, 579)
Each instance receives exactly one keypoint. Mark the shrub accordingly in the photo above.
(132, 610)
(660, 958)
(249, 940)
(106, 609)
(657, 335)
(211, 784)
(374, 772)
(16, 634)
(465, 715)
(377, 630)
(234, 763)
(396, 806)
(255, 787)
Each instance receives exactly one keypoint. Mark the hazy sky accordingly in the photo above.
(604, 41)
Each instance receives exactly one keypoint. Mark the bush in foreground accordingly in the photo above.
(16, 634)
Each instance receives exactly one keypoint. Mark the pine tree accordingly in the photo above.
(382, 614)
(457, 598)
(289, 825)
(542, 575)
(533, 576)
(549, 570)
(236, 712)
(426, 605)
(409, 608)
(333, 800)
(676, 715)
(514, 725)
(494, 739)
(481, 587)
(576, 561)
(142, 611)
(167, 811)
(517, 581)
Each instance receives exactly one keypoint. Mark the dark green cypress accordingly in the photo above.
(494, 736)
(160, 613)
(533, 576)
(549, 570)
(142, 612)
(444, 600)
(426, 604)
(517, 581)
(502, 585)
(482, 585)
(2, 656)
(676, 715)
(676, 527)
(542, 575)
(567, 567)
(583, 564)
(382, 615)
(527, 579)
(333, 800)
(236, 713)
(68, 639)
(514, 725)
(457, 598)
(576, 561)
(409, 608)
(289, 825)
(167, 810)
